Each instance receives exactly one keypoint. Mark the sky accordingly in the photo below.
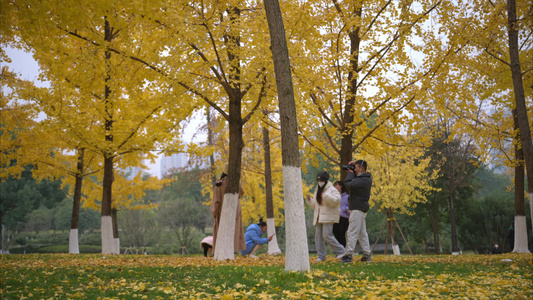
(23, 64)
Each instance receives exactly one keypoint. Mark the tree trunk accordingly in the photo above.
(73, 245)
(433, 218)
(106, 225)
(297, 257)
(521, 109)
(211, 144)
(273, 247)
(348, 117)
(114, 222)
(453, 223)
(426, 245)
(3, 233)
(226, 231)
(520, 233)
(392, 229)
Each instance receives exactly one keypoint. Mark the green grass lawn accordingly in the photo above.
(91, 276)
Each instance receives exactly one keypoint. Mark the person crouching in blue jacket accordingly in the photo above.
(253, 238)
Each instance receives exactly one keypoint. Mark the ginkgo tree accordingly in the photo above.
(92, 85)
(200, 48)
(401, 179)
(222, 62)
(483, 78)
(44, 146)
(360, 65)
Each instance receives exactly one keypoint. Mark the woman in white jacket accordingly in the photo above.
(326, 203)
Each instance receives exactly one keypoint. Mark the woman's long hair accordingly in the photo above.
(319, 191)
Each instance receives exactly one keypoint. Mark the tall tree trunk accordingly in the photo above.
(392, 229)
(73, 244)
(114, 222)
(434, 219)
(453, 223)
(348, 117)
(106, 222)
(436, 236)
(106, 219)
(453, 183)
(426, 244)
(520, 226)
(297, 257)
(226, 231)
(273, 247)
(211, 144)
(2, 233)
(521, 109)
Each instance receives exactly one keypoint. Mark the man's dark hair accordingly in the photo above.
(261, 223)
(362, 163)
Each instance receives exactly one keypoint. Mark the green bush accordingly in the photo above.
(58, 238)
(54, 249)
(91, 238)
(64, 249)
(90, 249)
(21, 241)
(30, 248)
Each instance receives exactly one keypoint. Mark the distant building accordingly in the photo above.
(175, 162)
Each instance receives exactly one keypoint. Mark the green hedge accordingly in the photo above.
(24, 250)
(64, 249)
(54, 249)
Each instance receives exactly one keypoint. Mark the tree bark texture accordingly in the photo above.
(392, 229)
(268, 175)
(520, 238)
(107, 185)
(116, 238)
(74, 220)
(349, 107)
(520, 98)
(453, 223)
(297, 256)
(273, 247)
(225, 236)
(434, 219)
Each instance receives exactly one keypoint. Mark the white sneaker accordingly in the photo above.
(340, 256)
(252, 256)
(320, 259)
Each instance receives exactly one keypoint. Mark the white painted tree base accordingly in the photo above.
(297, 252)
(73, 244)
(396, 249)
(273, 247)
(520, 235)
(108, 244)
(116, 242)
(225, 244)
